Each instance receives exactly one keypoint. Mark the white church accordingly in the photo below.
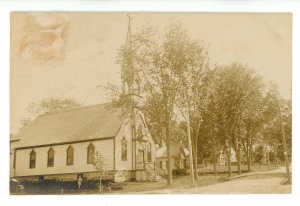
(61, 145)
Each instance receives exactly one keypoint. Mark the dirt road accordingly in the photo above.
(271, 182)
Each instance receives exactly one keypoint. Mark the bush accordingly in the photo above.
(178, 172)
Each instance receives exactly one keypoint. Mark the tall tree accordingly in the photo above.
(277, 110)
(238, 91)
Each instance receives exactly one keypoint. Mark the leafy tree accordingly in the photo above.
(158, 66)
(275, 106)
(49, 105)
(236, 98)
(196, 86)
(100, 165)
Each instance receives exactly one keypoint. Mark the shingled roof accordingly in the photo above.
(175, 151)
(87, 123)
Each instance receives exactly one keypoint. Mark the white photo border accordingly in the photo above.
(7, 6)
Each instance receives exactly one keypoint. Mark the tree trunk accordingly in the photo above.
(238, 156)
(169, 172)
(268, 158)
(214, 157)
(190, 148)
(286, 158)
(195, 160)
(229, 159)
(196, 151)
(248, 154)
(275, 155)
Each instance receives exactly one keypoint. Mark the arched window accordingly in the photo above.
(90, 153)
(124, 149)
(32, 159)
(149, 154)
(70, 155)
(50, 162)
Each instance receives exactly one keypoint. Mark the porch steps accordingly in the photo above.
(154, 175)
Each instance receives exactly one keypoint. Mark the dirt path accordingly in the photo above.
(266, 185)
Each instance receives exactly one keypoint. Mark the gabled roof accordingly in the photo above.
(176, 151)
(13, 138)
(87, 123)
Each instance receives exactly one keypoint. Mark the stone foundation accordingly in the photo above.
(110, 175)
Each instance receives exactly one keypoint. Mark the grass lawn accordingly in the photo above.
(178, 182)
(206, 177)
(224, 169)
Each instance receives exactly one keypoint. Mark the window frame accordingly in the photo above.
(48, 157)
(32, 161)
(90, 148)
(72, 156)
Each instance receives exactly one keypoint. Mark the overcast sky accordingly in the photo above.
(70, 54)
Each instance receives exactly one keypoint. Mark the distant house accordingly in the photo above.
(61, 145)
(223, 160)
(179, 157)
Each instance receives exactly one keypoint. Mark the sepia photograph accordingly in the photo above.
(109, 103)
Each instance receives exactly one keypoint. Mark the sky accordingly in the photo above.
(68, 55)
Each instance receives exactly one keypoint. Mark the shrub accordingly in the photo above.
(178, 172)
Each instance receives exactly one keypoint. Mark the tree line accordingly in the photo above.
(219, 107)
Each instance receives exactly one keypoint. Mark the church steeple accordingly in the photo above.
(128, 76)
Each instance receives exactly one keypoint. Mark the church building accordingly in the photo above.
(62, 144)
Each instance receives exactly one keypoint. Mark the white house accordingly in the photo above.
(179, 157)
(223, 159)
(61, 145)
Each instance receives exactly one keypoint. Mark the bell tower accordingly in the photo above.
(130, 89)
